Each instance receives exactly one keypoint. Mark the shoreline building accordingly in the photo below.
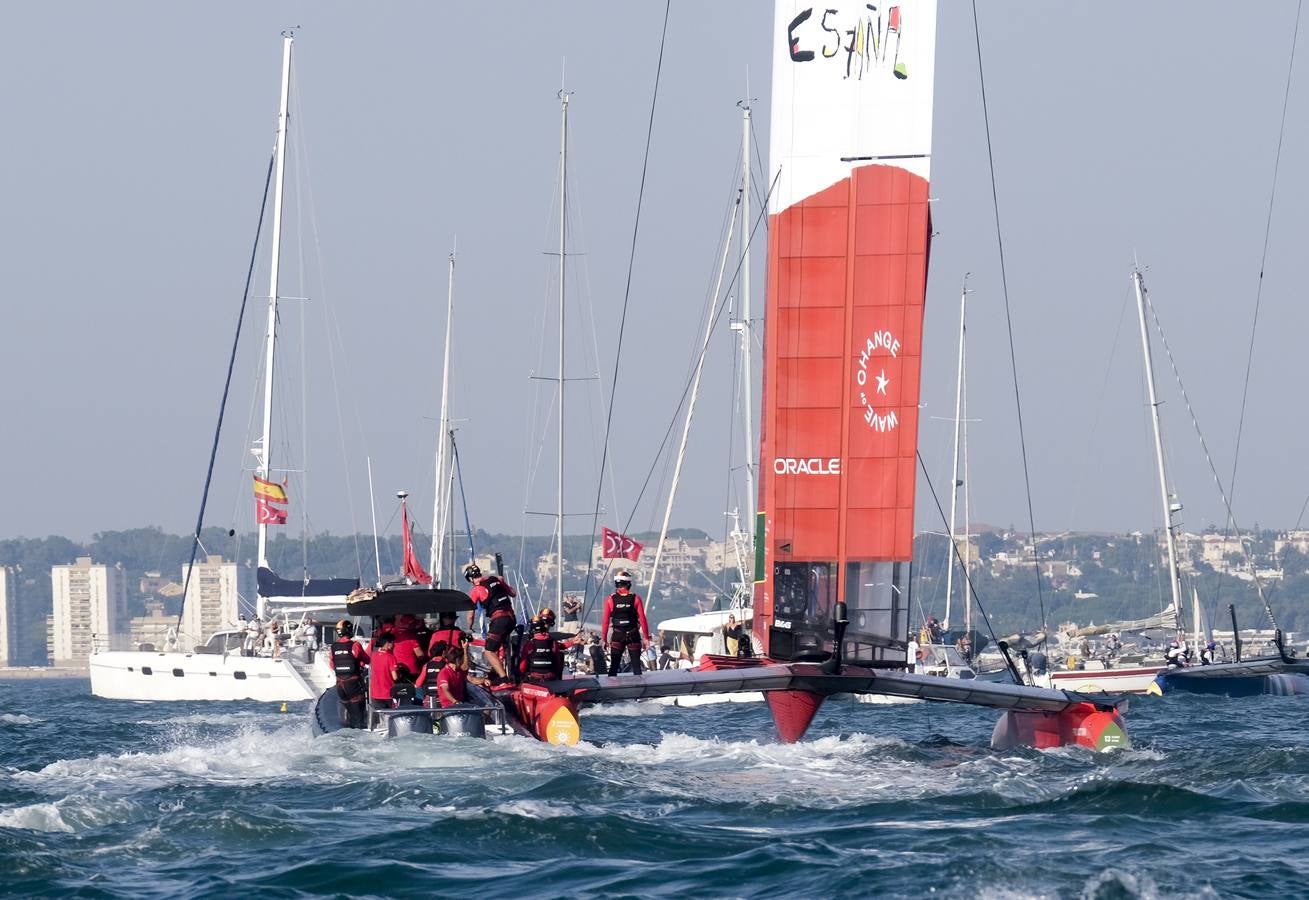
(22, 621)
(90, 604)
(211, 600)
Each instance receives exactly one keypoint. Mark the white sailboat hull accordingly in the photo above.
(162, 675)
(1136, 680)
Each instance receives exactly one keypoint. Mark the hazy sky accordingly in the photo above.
(136, 141)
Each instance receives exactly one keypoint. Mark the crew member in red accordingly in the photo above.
(630, 631)
(452, 683)
(347, 660)
(431, 671)
(410, 654)
(382, 671)
(543, 655)
(448, 632)
(497, 600)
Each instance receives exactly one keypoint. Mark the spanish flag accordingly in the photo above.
(268, 497)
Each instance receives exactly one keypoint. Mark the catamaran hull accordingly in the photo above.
(162, 675)
(1271, 675)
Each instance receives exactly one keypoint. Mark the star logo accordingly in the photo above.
(882, 382)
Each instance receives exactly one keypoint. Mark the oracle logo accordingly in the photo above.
(785, 465)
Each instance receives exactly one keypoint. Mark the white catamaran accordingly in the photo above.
(218, 669)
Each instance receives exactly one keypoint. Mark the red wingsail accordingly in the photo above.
(413, 569)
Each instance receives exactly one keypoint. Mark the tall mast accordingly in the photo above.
(1168, 506)
(954, 478)
(747, 339)
(264, 452)
(563, 268)
(690, 411)
(439, 516)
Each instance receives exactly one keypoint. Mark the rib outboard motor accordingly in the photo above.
(464, 722)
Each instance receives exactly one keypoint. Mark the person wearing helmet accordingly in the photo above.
(347, 659)
(1209, 655)
(543, 657)
(626, 611)
(496, 597)
(448, 633)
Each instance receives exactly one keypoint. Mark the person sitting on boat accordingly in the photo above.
(410, 654)
(496, 597)
(626, 612)
(596, 653)
(347, 660)
(543, 655)
(1112, 645)
(1176, 654)
(431, 672)
(382, 671)
(452, 683)
(933, 630)
(965, 647)
(1209, 655)
(448, 633)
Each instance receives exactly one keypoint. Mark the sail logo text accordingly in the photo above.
(813, 466)
(863, 40)
(869, 371)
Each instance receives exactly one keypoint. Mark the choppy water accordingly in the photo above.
(116, 799)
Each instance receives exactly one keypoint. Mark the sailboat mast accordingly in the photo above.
(747, 400)
(1138, 281)
(265, 452)
(954, 477)
(439, 517)
(563, 269)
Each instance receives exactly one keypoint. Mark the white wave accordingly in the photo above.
(537, 809)
(626, 708)
(17, 719)
(37, 817)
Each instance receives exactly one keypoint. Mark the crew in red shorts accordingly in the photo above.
(497, 600)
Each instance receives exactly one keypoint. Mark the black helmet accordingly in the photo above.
(472, 571)
(539, 625)
(345, 628)
(623, 578)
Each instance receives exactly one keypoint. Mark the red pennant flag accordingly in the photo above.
(619, 546)
(413, 569)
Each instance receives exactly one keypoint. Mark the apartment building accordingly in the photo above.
(90, 605)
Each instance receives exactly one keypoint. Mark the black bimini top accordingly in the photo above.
(416, 601)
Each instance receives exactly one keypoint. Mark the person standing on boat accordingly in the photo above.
(382, 671)
(572, 610)
(913, 656)
(252, 632)
(626, 611)
(410, 653)
(347, 661)
(496, 598)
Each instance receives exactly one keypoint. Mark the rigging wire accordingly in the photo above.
(1009, 322)
(227, 387)
(1213, 469)
(1263, 258)
(761, 217)
(627, 292)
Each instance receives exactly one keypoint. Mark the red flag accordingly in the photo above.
(413, 569)
(619, 546)
(266, 513)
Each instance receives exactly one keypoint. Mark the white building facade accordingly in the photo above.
(211, 602)
(90, 605)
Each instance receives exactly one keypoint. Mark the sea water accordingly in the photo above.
(105, 798)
